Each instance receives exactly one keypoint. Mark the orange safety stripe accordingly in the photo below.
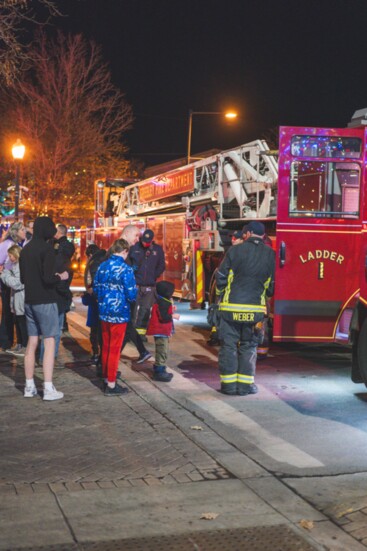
(199, 277)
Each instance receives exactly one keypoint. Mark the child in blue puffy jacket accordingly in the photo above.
(115, 288)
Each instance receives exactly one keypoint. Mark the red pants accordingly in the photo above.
(112, 338)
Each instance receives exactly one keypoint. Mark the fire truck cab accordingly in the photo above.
(321, 239)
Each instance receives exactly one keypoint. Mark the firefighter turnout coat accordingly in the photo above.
(245, 279)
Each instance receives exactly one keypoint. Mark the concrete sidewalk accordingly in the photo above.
(136, 472)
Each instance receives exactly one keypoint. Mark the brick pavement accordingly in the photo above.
(86, 441)
(352, 518)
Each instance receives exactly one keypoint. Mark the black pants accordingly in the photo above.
(21, 329)
(95, 338)
(144, 302)
(7, 319)
(133, 336)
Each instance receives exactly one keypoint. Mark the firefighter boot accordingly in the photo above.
(246, 389)
(228, 388)
(160, 374)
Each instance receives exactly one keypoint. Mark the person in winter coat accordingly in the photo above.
(147, 259)
(114, 286)
(11, 278)
(161, 327)
(15, 236)
(62, 245)
(28, 231)
(63, 296)
(95, 257)
(38, 273)
(132, 233)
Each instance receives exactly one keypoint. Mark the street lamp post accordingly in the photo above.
(227, 115)
(18, 151)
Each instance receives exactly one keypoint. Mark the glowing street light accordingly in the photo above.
(228, 115)
(18, 151)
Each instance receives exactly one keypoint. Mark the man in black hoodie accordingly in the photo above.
(37, 272)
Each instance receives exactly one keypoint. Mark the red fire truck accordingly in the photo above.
(315, 212)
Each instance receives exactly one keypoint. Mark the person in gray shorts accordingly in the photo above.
(37, 272)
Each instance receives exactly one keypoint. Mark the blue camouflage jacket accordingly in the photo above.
(114, 286)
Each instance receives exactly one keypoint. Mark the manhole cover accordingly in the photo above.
(261, 538)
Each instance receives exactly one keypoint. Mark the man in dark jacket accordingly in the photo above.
(132, 235)
(244, 279)
(63, 246)
(95, 257)
(62, 243)
(148, 262)
(38, 273)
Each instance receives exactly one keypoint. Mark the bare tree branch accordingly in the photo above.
(14, 16)
(66, 109)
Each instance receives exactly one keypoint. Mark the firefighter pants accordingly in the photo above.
(237, 355)
(144, 302)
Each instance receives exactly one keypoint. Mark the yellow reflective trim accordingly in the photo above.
(141, 331)
(228, 287)
(229, 378)
(229, 307)
(248, 379)
(266, 287)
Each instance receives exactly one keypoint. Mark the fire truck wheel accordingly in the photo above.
(359, 368)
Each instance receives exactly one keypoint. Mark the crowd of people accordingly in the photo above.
(126, 301)
(35, 277)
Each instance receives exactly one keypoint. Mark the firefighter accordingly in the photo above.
(244, 279)
(236, 239)
(263, 348)
(148, 262)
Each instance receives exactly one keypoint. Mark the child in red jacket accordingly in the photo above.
(161, 327)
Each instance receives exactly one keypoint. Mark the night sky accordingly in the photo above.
(285, 62)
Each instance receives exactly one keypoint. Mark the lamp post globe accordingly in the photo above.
(18, 151)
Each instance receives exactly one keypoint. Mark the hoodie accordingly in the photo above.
(37, 264)
(161, 321)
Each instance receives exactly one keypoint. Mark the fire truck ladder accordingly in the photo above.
(248, 178)
(245, 177)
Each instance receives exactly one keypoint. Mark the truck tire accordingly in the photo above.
(359, 368)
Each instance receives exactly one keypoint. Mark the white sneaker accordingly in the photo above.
(52, 394)
(19, 351)
(30, 391)
(14, 350)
